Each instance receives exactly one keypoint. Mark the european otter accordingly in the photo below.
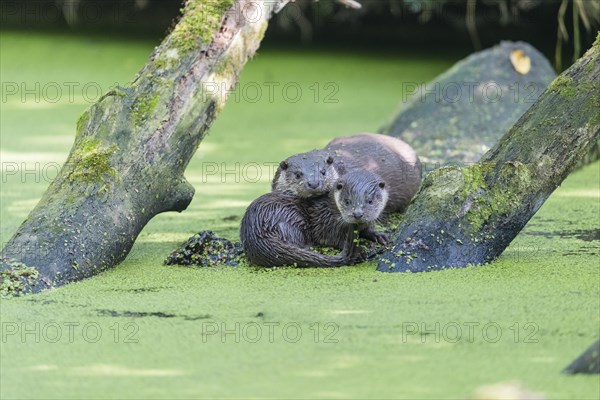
(279, 228)
(358, 198)
(313, 173)
(307, 174)
(391, 159)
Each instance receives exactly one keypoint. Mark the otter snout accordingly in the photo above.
(313, 184)
(358, 213)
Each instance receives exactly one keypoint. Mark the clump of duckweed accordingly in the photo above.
(16, 278)
(205, 249)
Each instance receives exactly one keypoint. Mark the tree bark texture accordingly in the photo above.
(468, 215)
(132, 147)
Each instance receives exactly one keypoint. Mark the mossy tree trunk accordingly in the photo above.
(132, 147)
(468, 215)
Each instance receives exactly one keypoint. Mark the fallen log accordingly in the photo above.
(459, 115)
(468, 215)
(587, 363)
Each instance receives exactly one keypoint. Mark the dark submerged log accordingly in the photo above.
(587, 363)
(462, 113)
(468, 215)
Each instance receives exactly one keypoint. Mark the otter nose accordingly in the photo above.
(313, 184)
(358, 213)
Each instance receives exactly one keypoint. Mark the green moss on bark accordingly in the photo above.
(83, 120)
(440, 186)
(476, 192)
(201, 19)
(563, 85)
(497, 198)
(160, 63)
(91, 162)
(165, 60)
(143, 108)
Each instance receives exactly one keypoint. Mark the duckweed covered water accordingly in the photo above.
(144, 330)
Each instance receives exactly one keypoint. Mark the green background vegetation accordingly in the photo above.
(547, 278)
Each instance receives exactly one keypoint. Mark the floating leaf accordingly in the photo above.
(521, 63)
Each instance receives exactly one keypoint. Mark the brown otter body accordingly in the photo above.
(313, 173)
(279, 228)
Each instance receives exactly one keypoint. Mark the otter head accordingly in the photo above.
(306, 175)
(360, 196)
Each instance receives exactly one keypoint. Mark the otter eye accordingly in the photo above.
(370, 201)
(298, 175)
(329, 160)
(339, 186)
(347, 202)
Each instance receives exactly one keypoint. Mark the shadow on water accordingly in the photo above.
(142, 314)
(587, 235)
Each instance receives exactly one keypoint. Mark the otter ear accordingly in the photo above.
(283, 165)
(329, 160)
(339, 186)
(381, 185)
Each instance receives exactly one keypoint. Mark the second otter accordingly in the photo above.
(358, 198)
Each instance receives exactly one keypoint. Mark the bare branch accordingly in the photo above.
(351, 4)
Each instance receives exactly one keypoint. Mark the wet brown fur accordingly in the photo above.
(391, 159)
(279, 228)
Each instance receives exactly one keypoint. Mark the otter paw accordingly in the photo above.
(358, 256)
(381, 238)
(374, 236)
(377, 237)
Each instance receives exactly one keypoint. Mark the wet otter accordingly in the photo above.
(358, 199)
(393, 160)
(307, 174)
(277, 230)
(313, 173)
(279, 227)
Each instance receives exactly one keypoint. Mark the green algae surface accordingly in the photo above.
(144, 330)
